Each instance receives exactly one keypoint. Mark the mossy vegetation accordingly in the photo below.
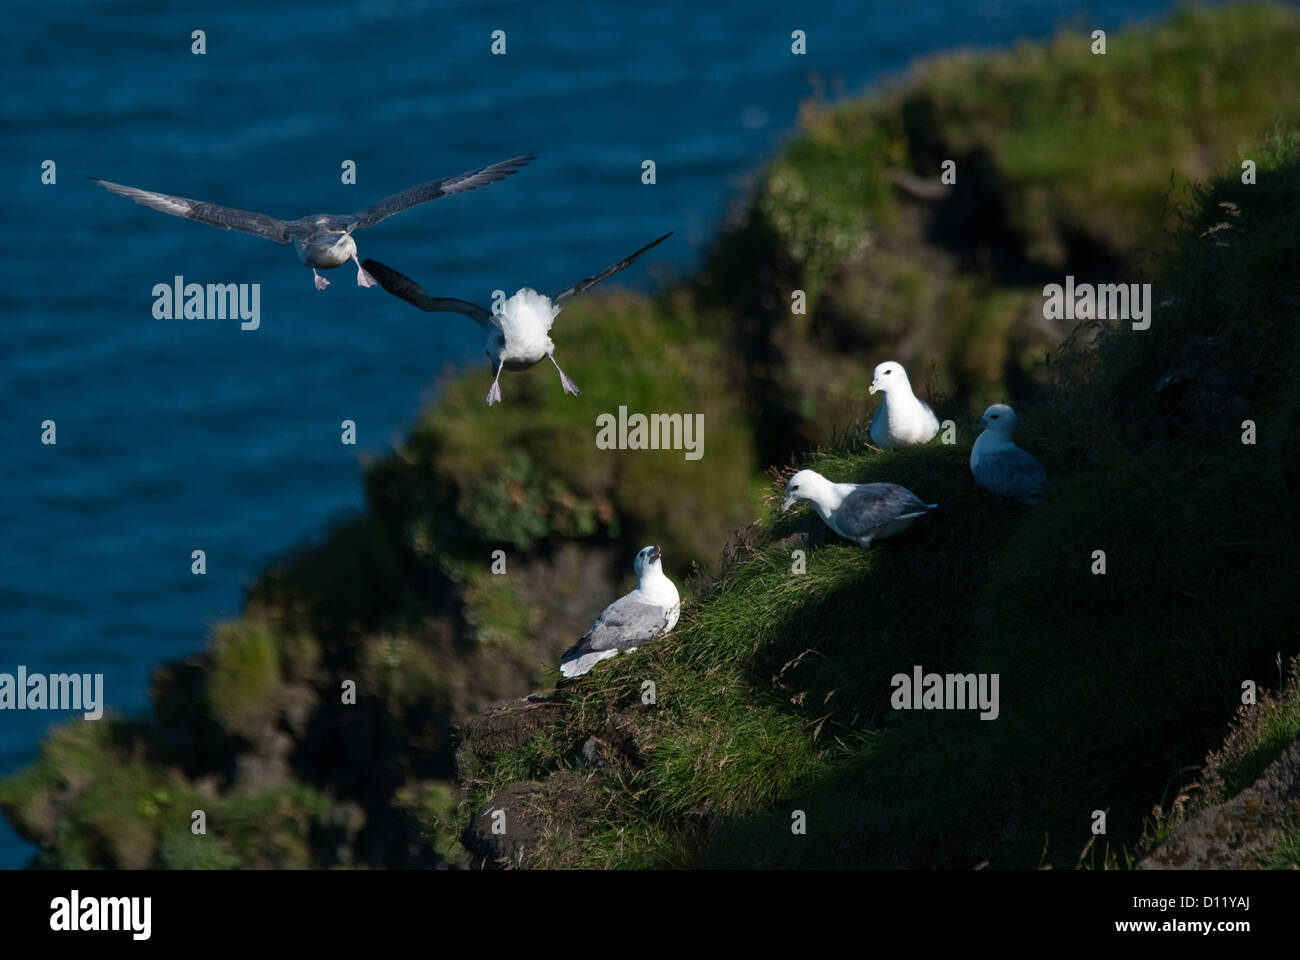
(1064, 163)
(1241, 810)
(331, 724)
(1259, 733)
(772, 696)
(97, 797)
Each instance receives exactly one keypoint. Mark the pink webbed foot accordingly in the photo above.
(568, 385)
(321, 282)
(494, 395)
(364, 279)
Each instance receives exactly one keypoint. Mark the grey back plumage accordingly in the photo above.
(627, 622)
(872, 505)
(1011, 473)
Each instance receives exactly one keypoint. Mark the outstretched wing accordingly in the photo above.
(424, 192)
(1012, 473)
(400, 285)
(873, 505)
(227, 218)
(584, 285)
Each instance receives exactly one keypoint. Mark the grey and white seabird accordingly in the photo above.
(519, 332)
(901, 420)
(861, 512)
(1000, 466)
(322, 240)
(648, 612)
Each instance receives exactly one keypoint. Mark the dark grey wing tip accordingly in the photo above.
(584, 285)
(109, 184)
(914, 503)
(404, 288)
(397, 283)
(501, 169)
(381, 210)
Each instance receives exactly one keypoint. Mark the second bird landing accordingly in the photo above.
(519, 332)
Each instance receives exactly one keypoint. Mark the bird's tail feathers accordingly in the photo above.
(575, 664)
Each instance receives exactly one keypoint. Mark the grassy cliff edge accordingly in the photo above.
(772, 695)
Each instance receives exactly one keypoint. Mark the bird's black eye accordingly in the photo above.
(888, 372)
(794, 488)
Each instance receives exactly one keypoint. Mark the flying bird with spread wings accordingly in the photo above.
(519, 331)
(323, 240)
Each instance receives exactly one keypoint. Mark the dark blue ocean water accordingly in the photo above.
(182, 434)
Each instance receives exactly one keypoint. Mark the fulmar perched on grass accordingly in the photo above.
(861, 512)
(322, 240)
(648, 612)
(999, 465)
(901, 420)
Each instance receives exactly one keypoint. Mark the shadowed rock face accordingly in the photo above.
(506, 830)
(1231, 835)
(503, 830)
(504, 725)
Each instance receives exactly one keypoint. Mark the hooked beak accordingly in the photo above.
(787, 503)
(653, 554)
(873, 388)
